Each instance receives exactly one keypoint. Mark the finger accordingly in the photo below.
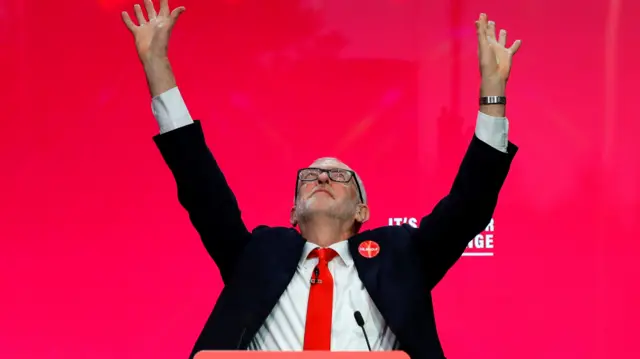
(481, 29)
(151, 11)
(514, 48)
(502, 38)
(491, 30)
(164, 7)
(128, 22)
(138, 10)
(175, 14)
(483, 18)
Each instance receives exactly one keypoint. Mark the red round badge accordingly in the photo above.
(369, 249)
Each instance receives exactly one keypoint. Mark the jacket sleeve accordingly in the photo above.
(443, 235)
(205, 194)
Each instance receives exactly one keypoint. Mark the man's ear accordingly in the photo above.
(362, 213)
(292, 217)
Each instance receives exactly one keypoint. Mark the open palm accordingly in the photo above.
(152, 35)
(495, 58)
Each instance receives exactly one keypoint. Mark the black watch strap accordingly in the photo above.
(493, 100)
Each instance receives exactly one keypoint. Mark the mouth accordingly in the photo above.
(321, 190)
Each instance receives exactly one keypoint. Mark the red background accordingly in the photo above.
(98, 260)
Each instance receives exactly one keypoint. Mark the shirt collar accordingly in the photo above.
(342, 248)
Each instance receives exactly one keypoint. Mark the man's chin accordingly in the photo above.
(327, 212)
(317, 210)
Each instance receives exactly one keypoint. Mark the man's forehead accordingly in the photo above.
(328, 163)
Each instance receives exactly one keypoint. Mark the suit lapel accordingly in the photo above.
(385, 285)
(368, 268)
(274, 275)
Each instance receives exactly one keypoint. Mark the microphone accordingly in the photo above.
(244, 330)
(360, 322)
(246, 322)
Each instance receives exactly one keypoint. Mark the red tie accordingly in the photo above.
(317, 330)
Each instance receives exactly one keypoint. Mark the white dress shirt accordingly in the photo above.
(284, 327)
(283, 330)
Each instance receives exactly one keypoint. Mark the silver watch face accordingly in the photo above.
(493, 100)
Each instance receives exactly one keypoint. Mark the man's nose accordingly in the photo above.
(323, 177)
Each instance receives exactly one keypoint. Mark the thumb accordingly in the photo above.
(175, 14)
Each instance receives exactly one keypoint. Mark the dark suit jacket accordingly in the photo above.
(399, 279)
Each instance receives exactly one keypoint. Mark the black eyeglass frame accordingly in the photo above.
(328, 172)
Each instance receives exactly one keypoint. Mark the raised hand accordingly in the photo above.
(152, 35)
(495, 58)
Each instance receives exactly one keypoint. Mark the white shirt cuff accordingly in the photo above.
(493, 131)
(170, 110)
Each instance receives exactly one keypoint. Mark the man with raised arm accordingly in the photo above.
(325, 285)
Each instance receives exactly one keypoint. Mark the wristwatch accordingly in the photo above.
(493, 100)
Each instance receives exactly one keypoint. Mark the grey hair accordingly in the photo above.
(358, 180)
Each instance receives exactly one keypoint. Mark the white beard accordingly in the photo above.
(343, 212)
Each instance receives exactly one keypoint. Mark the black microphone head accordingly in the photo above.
(359, 318)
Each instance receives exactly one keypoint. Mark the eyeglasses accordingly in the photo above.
(335, 174)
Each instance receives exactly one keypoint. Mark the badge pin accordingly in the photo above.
(369, 249)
